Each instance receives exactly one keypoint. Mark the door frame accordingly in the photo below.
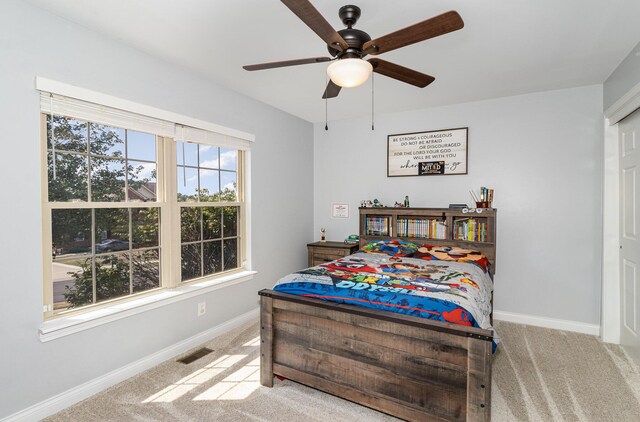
(611, 293)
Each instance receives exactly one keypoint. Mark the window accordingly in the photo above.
(119, 204)
(209, 209)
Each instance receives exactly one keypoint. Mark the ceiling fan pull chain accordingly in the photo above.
(372, 103)
(326, 106)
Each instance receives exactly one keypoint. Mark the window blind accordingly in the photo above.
(192, 134)
(64, 106)
(52, 103)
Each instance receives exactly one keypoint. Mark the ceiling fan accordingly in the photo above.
(349, 46)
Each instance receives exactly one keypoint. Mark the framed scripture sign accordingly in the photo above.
(437, 152)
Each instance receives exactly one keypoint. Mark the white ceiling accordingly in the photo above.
(507, 47)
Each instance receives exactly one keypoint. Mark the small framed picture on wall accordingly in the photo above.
(339, 210)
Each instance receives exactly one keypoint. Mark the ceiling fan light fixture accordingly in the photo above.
(349, 73)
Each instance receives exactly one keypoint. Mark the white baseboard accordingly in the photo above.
(74, 395)
(557, 324)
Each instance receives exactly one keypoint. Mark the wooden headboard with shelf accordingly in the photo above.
(433, 226)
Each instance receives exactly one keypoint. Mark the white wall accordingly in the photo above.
(623, 78)
(543, 155)
(33, 42)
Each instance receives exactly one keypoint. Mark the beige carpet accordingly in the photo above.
(539, 375)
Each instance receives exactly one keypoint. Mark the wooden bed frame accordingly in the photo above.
(409, 367)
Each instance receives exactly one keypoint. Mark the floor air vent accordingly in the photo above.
(195, 355)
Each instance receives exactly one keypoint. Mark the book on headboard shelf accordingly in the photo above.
(377, 226)
(467, 228)
(468, 225)
(470, 229)
(431, 228)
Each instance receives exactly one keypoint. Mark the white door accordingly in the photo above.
(629, 136)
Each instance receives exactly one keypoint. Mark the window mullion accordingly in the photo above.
(98, 205)
(126, 167)
(94, 280)
(170, 214)
(130, 213)
(89, 162)
(201, 243)
(222, 238)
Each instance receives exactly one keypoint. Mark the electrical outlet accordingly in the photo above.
(202, 308)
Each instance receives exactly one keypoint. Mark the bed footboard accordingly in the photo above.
(408, 367)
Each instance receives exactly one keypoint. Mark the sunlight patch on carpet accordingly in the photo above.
(195, 379)
(237, 386)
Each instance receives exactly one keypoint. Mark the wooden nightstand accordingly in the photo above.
(321, 252)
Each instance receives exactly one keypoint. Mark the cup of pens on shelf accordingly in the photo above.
(484, 199)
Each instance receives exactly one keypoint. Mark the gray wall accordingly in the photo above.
(543, 155)
(625, 77)
(33, 42)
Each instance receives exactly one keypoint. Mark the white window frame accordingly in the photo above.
(56, 325)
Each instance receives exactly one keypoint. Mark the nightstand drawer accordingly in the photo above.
(321, 258)
(322, 252)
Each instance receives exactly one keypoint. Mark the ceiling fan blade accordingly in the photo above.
(332, 90)
(296, 62)
(314, 20)
(401, 73)
(438, 25)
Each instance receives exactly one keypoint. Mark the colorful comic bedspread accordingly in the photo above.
(449, 291)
